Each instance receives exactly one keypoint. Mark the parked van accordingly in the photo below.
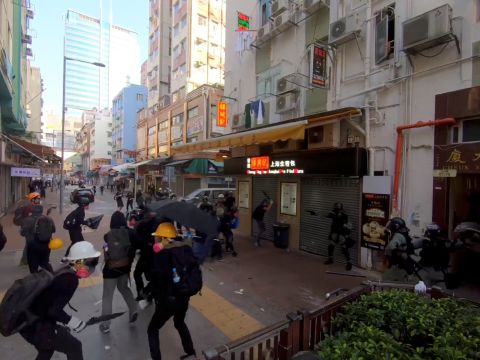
(196, 196)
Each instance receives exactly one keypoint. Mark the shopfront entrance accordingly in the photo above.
(318, 194)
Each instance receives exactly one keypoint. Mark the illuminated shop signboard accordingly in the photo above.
(261, 165)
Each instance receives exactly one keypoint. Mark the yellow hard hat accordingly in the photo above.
(55, 244)
(166, 230)
(33, 195)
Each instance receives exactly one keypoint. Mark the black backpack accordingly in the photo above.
(117, 253)
(188, 269)
(70, 220)
(14, 309)
(43, 229)
(19, 215)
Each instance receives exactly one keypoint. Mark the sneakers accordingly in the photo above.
(134, 317)
(349, 266)
(104, 328)
(328, 261)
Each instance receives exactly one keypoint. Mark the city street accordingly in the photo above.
(240, 295)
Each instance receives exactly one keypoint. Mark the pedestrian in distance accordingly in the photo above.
(44, 296)
(38, 230)
(139, 198)
(119, 200)
(94, 188)
(102, 188)
(172, 291)
(119, 252)
(259, 217)
(74, 221)
(339, 234)
(42, 191)
(130, 201)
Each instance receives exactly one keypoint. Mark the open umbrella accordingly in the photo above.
(186, 214)
(94, 222)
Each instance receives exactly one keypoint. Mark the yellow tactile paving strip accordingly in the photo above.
(228, 318)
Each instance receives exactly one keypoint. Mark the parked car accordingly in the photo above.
(82, 192)
(212, 193)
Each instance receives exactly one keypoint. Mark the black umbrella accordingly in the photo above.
(186, 214)
(98, 319)
(94, 222)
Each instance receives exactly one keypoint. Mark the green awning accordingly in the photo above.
(204, 166)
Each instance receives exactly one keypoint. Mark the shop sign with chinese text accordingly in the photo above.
(318, 66)
(463, 158)
(261, 165)
(222, 114)
(243, 22)
(25, 172)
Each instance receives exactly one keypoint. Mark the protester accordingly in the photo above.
(119, 251)
(94, 188)
(172, 256)
(339, 234)
(259, 217)
(21, 213)
(74, 221)
(130, 201)
(37, 230)
(45, 333)
(102, 188)
(3, 238)
(119, 200)
(139, 198)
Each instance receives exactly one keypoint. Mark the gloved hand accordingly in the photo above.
(76, 324)
(420, 288)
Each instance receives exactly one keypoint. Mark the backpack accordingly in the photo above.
(117, 253)
(70, 220)
(42, 229)
(19, 215)
(14, 309)
(188, 269)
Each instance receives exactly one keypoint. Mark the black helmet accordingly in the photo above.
(396, 224)
(338, 206)
(433, 230)
(83, 201)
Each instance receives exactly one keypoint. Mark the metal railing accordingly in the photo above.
(302, 330)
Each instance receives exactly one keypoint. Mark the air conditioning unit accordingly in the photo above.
(265, 32)
(279, 6)
(238, 121)
(428, 30)
(28, 52)
(282, 22)
(346, 28)
(324, 136)
(287, 145)
(27, 39)
(284, 86)
(286, 102)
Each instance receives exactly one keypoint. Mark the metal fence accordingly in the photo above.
(302, 330)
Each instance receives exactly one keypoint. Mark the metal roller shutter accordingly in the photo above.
(191, 185)
(270, 186)
(319, 195)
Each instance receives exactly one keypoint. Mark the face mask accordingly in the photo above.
(83, 272)
(85, 268)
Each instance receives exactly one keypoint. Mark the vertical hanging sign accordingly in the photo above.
(243, 22)
(222, 114)
(318, 66)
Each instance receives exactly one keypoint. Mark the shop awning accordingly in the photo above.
(179, 162)
(204, 166)
(294, 131)
(38, 151)
(140, 163)
(157, 161)
(123, 167)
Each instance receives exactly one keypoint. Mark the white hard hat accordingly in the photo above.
(82, 250)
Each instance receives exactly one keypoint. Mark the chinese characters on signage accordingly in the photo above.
(25, 172)
(262, 165)
(375, 214)
(222, 114)
(318, 66)
(463, 158)
(243, 22)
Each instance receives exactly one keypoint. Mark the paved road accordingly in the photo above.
(241, 294)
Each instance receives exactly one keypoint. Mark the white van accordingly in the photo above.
(196, 196)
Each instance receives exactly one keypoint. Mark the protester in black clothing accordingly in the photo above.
(94, 188)
(259, 216)
(139, 198)
(226, 223)
(42, 191)
(339, 234)
(130, 201)
(51, 331)
(144, 230)
(38, 253)
(119, 200)
(74, 221)
(102, 188)
(3, 238)
(168, 303)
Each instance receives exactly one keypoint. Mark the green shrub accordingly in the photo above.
(424, 328)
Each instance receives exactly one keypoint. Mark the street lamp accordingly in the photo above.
(65, 58)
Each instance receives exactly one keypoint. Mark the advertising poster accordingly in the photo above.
(243, 194)
(318, 74)
(288, 201)
(375, 214)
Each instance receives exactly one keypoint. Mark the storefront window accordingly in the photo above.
(471, 130)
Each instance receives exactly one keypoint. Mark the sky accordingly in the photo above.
(47, 30)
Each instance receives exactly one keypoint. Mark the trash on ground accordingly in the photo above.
(239, 292)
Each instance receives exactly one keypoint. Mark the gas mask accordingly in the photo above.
(85, 267)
